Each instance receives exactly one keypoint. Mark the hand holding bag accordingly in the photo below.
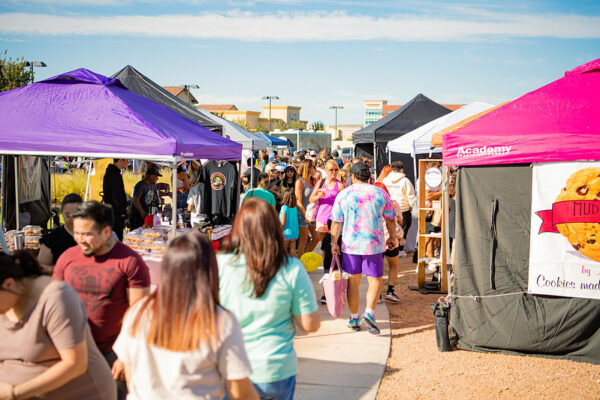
(335, 290)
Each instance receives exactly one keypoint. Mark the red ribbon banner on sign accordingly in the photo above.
(566, 212)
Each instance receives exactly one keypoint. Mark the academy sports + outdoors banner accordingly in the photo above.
(564, 256)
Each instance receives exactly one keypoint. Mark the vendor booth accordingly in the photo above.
(371, 141)
(527, 268)
(81, 113)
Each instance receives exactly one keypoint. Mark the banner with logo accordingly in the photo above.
(564, 257)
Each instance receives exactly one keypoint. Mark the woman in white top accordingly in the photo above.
(178, 342)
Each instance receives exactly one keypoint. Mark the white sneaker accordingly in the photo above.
(402, 254)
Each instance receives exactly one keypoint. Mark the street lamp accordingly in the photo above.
(32, 64)
(188, 87)
(270, 98)
(336, 108)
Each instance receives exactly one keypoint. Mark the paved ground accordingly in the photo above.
(338, 363)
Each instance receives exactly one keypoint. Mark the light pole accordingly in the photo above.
(188, 87)
(270, 98)
(336, 108)
(32, 64)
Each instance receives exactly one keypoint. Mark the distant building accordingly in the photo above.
(280, 115)
(377, 109)
(344, 131)
(182, 93)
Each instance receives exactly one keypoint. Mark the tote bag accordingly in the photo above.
(335, 290)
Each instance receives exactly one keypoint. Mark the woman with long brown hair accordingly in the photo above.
(303, 190)
(47, 349)
(270, 293)
(179, 342)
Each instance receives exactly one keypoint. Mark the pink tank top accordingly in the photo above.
(326, 204)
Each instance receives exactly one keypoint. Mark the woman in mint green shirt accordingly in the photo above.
(270, 294)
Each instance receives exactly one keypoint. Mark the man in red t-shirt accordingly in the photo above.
(107, 274)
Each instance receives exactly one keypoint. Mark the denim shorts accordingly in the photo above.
(279, 390)
(302, 221)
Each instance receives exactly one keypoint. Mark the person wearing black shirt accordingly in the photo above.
(113, 191)
(61, 238)
(248, 172)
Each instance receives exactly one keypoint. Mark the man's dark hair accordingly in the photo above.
(334, 153)
(71, 198)
(101, 214)
(397, 166)
(116, 160)
(361, 171)
(249, 161)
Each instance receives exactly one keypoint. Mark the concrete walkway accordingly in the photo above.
(338, 363)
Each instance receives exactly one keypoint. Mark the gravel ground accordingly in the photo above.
(417, 370)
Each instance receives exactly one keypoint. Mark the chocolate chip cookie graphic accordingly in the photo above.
(584, 237)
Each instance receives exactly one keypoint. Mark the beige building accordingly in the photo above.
(182, 93)
(377, 109)
(285, 113)
(280, 115)
(344, 131)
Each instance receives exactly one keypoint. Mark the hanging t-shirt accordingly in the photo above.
(220, 188)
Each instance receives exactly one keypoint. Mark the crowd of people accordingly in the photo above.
(217, 325)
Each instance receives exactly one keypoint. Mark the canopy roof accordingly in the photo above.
(418, 141)
(231, 130)
(274, 141)
(436, 138)
(418, 111)
(137, 82)
(86, 114)
(557, 122)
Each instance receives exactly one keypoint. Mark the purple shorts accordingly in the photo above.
(371, 265)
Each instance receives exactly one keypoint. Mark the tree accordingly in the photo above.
(317, 126)
(13, 73)
(260, 127)
(241, 123)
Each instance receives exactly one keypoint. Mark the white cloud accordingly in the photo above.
(313, 26)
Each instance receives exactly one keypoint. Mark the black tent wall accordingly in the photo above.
(493, 216)
(39, 209)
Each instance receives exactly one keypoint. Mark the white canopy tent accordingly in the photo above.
(232, 131)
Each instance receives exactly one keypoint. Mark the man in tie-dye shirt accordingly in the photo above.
(359, 213)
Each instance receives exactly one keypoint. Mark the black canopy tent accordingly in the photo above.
(418, 111)
(137, 82)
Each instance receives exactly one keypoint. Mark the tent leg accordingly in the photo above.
(239, 184)
(375, 159)
(17, 211)
(174, 199)
(87, 184)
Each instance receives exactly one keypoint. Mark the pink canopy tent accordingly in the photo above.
(557, 122)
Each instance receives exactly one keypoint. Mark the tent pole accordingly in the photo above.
(446, 228)
(389, 156)
(87, 184)
(174, 199)
(239, 184)
(414, 156)
(17, 211)
(375, 159)
(252, 169)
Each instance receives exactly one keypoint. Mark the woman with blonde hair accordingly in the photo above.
(271, 295)
(303, 189)
(325, 191)
(178, 342)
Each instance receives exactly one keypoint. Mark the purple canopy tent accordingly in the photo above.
(81, 113)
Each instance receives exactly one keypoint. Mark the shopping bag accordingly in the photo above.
(311, 212)
(335, 287)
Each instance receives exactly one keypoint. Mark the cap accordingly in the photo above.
(279, 168)
(312, 153)
(153, 171)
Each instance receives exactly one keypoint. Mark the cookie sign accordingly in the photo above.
(433, 177)
(576, 212)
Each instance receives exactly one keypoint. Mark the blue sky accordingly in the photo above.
(312, 54)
